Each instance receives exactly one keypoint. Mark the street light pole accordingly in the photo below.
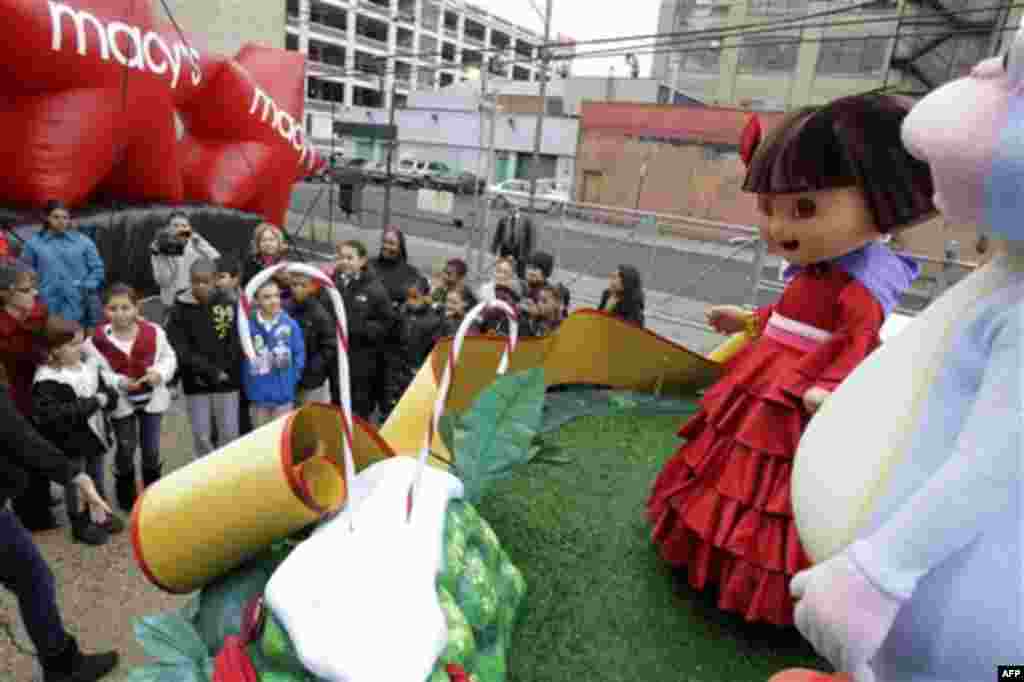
(539, 136)
(487, 179)
(386, 212)
(480, 228)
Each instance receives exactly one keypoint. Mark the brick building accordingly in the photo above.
(684, 160)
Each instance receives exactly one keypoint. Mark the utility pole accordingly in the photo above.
(490, 172)
(545, 58)
(385, 214)
(480, 229)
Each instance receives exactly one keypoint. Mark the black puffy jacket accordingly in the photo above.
(321, 341)
(370, 317)
(63, 418)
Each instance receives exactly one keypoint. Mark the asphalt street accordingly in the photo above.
(666, 270)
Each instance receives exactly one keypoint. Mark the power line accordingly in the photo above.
(701, 35)
(731, 32)
(800, 41)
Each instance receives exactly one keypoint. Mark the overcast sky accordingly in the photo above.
(582, 20)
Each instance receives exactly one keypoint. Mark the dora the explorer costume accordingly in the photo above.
(828, 192)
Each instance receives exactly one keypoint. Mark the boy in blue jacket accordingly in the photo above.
(271, 377)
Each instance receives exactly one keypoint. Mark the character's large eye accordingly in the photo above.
(804, 208)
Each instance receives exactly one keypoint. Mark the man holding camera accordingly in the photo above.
(174, 250)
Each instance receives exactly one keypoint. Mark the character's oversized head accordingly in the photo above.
(971, 134)
(829, 179)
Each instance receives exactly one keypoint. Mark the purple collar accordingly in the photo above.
(886, 274)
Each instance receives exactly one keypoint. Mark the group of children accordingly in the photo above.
(113, 387)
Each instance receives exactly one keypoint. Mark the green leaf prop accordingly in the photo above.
(162, 672)
(495, 434)
(170, 639)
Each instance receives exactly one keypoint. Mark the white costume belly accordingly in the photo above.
(894, 422)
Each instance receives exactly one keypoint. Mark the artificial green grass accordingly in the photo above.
(601, 606)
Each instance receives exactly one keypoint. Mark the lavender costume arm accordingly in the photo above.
(973, 486)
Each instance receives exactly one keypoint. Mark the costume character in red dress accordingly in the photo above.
(831, 181)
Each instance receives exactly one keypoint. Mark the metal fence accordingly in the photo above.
(686, 263)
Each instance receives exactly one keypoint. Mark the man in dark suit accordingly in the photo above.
(514, 237)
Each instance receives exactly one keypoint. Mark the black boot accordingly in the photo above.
(84, 530)
(124, 486)
(71, 665)
(151, 476)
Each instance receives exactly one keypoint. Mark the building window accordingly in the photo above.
(761, 7)
(291, 42)
(852, 57)
(769, 53)
(704, 57)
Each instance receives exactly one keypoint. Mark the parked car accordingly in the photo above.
(408, 171)
(459, 183)
(432, 170)
(377, 172)
(550, 194)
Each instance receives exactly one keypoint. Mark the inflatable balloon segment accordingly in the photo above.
(104, 102)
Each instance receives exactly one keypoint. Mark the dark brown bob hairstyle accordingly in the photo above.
(851, 142)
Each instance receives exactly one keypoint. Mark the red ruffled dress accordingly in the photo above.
(721, 505)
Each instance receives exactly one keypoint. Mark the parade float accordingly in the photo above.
(317, 514)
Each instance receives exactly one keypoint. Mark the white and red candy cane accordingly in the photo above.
(433, 425)
(245, 306)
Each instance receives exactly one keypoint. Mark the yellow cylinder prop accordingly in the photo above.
(210, 516)
(730, 347)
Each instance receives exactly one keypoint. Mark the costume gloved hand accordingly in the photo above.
(843, 615)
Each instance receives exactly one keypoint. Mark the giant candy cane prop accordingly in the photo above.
(244, 304)
(446, 381)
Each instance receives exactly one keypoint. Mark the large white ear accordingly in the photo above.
(1014, 58)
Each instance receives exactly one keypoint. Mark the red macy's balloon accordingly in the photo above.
(91, 90)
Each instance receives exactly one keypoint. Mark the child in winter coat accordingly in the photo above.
(70, 399)
(370, 318)
(423, 321)
(320, 337)
(546, 314)
(229, 286)
(138, 356)
(456, 306)
(268, 248)
(201, 328)
(271, 378)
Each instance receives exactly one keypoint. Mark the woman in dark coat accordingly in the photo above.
(23, 322)
(624, 297)
(24, 571)
(397, 276)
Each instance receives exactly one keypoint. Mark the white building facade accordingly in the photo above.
(414, 44)
(448, 126)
